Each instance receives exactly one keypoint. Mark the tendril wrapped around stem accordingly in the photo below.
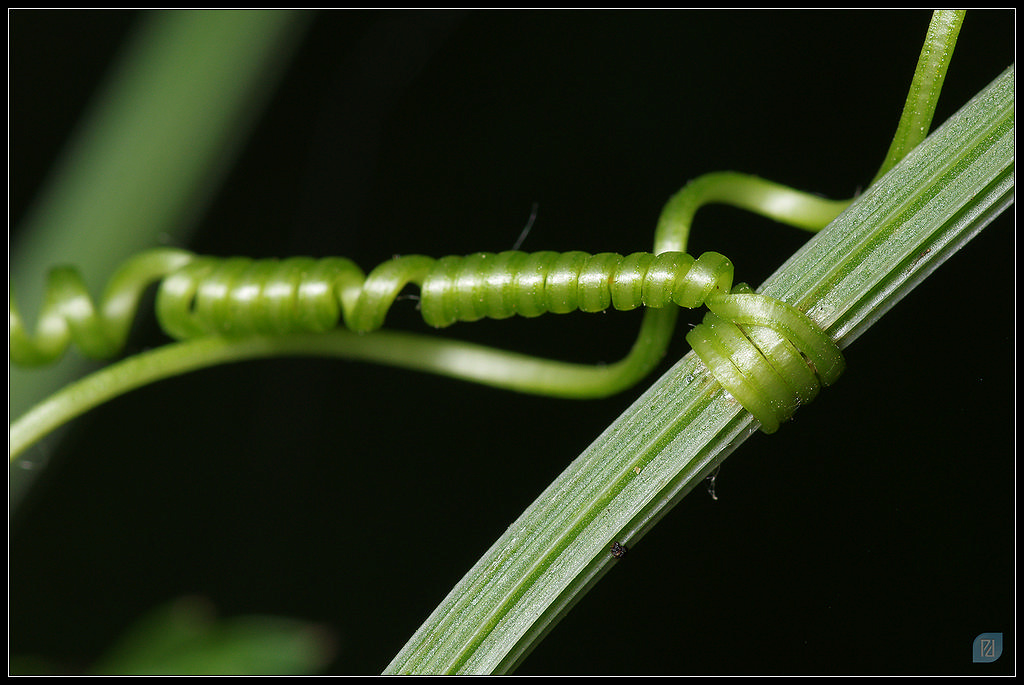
(770, 356)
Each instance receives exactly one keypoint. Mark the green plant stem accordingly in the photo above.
(846, 277)
(424, 353)
(916, 119)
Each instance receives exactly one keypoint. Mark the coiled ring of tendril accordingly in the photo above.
(770, 356)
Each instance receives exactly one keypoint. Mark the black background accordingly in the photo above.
(874, 534)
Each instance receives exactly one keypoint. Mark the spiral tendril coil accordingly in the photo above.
(771, 357)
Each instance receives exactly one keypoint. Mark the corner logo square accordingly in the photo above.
(987, 647)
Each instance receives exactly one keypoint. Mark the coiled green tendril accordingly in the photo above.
(770, 356)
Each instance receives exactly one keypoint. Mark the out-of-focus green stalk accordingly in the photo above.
(922, 211)
(148, 155)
